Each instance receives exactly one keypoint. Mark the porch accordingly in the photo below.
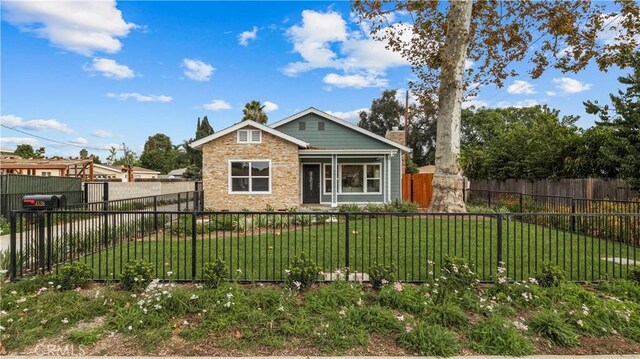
(333, 177)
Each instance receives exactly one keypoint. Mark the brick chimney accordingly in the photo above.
(398, 136)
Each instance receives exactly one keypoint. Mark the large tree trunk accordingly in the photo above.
(447, 179)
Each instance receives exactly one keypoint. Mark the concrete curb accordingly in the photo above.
(620, 356)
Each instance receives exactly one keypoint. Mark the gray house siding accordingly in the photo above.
(336, 136)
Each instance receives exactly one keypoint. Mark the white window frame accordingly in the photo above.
(249, 137)
(251, 192)
(365, 178)
(324, 180)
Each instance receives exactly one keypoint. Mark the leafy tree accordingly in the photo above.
(128, 158)
(254, 111)
(27, 151)
(441, 37)
(623, 118)
(84, 153)
(422, 134)
(194, 157)
(203, 129)
(161, 155)
(597, 154)
(193, 172)
(386, 112)
(530, 143)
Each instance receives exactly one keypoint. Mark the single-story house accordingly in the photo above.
(177, 173)
(309, 158)
(144, 173)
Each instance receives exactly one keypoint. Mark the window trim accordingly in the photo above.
(249, 136)
(250, 192)
(324, 180)
(365, 178)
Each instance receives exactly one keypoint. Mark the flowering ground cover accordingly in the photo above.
(449, 315)
(264, 253)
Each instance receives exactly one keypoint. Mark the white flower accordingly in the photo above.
(520, 325)
(360, 302)
(579, 322)
(130, 327)
(10, 320)
(169, 273)
(3, 312)
(185, 323)
(21, 300)
(25, 310)
(193, 297)
(342, 313)
(1, 328)
(281, 308)
(65, 321)
(239, 270)
(50, 283)
(13, 292)
(229, 295)
(400, 318)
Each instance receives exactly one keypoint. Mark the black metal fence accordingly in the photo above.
(522, 202)
(181, 201)
(259, 246)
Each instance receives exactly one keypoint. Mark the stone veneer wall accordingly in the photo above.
(398, 136)
(285, 173)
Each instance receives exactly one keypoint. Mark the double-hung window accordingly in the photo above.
(360, 178)
(250, 176)
(249, 136)
(328, 178)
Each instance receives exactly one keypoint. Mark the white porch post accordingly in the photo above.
(334, 184)
(388, 175)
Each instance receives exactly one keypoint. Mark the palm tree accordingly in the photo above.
(254, 111)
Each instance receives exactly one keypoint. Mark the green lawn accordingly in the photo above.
(407, 242)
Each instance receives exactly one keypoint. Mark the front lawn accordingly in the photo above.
(263, 254)
(341, 318)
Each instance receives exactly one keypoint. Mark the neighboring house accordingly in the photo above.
(144, 173)
(178, 173)
(6, 151)
(103, 172)
(310, 158)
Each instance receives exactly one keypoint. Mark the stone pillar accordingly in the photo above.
(398, 136)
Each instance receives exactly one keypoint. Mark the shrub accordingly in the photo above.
(349, 208)
(4, 226)
(551, 275)
(375, 319)
(447, 315)
(302, 273)
(496, 336)
(215, 273)
(429, 339)
(136, 275)
(634, 275)
(374, 208)
(72, 275)
(380, 275)
(401, 207)
(551, 326)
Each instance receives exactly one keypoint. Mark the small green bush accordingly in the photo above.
(302, 273)
(215, 273)
(136, 275)
(555, 328)
(429, 339)
(85, 337)
(380, 275)
(551, 275)
(72, 275)
(374, 208)
(634, 275)
(496, 336)
(349, 208)
(401, 207)
(447, 315)
(458, 273)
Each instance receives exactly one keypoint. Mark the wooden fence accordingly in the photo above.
(417, 188)
(588, 188)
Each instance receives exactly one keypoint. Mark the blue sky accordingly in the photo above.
(98, 74)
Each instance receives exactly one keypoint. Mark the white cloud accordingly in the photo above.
(12, 142)
(270, 106)
(217, 105)
(82, 27)
(611, 35)
(355, 81)
(245, 36)
(569, 85)
(468, 64)
(475, 102)
(101, 133)
(79, 141)
(351, 116)
(197, 70)
(551, 93)
(323, 40)
(110, 68)
(35, 125)
(521, 87)
(139, 97)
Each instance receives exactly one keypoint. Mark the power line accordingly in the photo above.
(56, 141)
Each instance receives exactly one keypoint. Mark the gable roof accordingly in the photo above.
(312, 110)
(198, 144)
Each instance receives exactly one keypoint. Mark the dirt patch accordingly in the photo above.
(590, 346)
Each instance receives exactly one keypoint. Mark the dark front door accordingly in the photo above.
(310, 183)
